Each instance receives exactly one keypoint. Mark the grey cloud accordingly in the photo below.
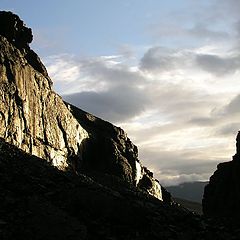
(229, 129)
(203, 121)
(183, 162)
(180, 103)
(183, 165)
(218, 65)
(115, 74)
(201, 31)
(232, 107)
(158, 58)
(228, 8)
(114, 88)
(115, 105)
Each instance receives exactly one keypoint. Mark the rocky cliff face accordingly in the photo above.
(36, 120)
(222, 194)
(33, 117)
(108, 150)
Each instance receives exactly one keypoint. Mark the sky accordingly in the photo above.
(167, 72)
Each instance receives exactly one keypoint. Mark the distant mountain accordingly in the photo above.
(191, 191)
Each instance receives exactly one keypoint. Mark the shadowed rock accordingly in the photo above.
(222, 194)
(14, 29)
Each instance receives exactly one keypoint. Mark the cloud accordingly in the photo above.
(176, 106)
(203, 121)
(229, 129)
(218, 65)
(117, 104)
(201, 30)
(233, 106)
(158, 58)
(180, 166)
(102, 85)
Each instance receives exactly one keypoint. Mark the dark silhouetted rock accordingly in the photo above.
(14, 29)
(108, 150)
(222, 194)
(40, 202)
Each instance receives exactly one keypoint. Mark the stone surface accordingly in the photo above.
(14, 29)
(35, 119)
(110, 151)
(40, 202)
(32, 116)
(222, 194)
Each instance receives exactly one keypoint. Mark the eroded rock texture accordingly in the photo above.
(109, 150)
(222, 194)
(35, 119)
(32, 116)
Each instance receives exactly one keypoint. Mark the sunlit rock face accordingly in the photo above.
(32, 116)
(36, 120)
(222, 194)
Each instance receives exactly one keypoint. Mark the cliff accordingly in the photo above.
(35, 119)
(66, 174)
(222, 195)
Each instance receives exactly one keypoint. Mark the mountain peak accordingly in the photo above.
(16, 33)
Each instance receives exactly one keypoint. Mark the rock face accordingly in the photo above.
(222, 194)
(32, 116)
(36, 120)
(108, 150)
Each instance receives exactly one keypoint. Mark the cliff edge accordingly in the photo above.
(35, 119)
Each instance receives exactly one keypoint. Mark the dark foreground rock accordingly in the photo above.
(40, 202)
(222, 194)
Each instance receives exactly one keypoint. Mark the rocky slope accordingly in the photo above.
(222, 194)
(40, 202)
(35, 119)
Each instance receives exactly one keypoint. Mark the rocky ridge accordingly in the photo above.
(35, 119)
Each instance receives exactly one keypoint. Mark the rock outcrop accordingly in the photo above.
(35, 119)
(32, 116)
(222, 194)
(108, 150)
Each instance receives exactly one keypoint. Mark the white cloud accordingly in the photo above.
(179, 105)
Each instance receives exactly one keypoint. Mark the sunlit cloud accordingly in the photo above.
(179, 104)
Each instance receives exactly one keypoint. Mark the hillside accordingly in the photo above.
(191, 191)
